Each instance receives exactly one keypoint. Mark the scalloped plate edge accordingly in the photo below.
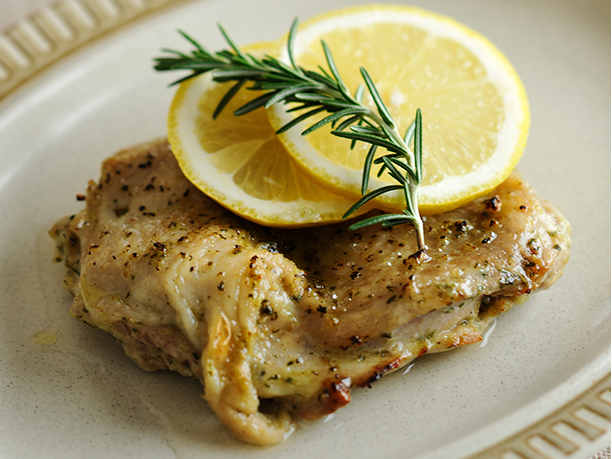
(51, 33)
(582, 425)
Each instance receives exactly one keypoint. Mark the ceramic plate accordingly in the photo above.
(537, 386)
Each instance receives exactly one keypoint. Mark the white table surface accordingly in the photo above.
(14, 10)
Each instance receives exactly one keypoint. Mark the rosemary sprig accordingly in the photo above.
(313, 92)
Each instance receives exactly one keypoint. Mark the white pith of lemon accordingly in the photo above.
(240, 162)
(475, 110)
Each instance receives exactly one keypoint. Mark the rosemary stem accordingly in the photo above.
(417, 222)
(413, 187)
(316, 92)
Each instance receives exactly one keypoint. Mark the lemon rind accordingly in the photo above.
(451, 192)
(184, 142)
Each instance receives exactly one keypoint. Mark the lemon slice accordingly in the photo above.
(240, 162)
(475, 110)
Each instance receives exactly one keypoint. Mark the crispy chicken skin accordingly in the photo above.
(280, 323)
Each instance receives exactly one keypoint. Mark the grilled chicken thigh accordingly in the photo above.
(280, 323)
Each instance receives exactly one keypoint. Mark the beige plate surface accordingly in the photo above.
(538, 387)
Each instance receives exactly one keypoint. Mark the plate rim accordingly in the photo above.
(31, 46)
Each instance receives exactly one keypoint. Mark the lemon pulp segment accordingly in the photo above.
(240, 162)
(475, 110)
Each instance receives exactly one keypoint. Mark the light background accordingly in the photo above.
(12, 11)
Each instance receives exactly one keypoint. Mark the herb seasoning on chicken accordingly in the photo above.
(291, 319)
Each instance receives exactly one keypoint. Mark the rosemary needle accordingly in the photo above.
(311, 92)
